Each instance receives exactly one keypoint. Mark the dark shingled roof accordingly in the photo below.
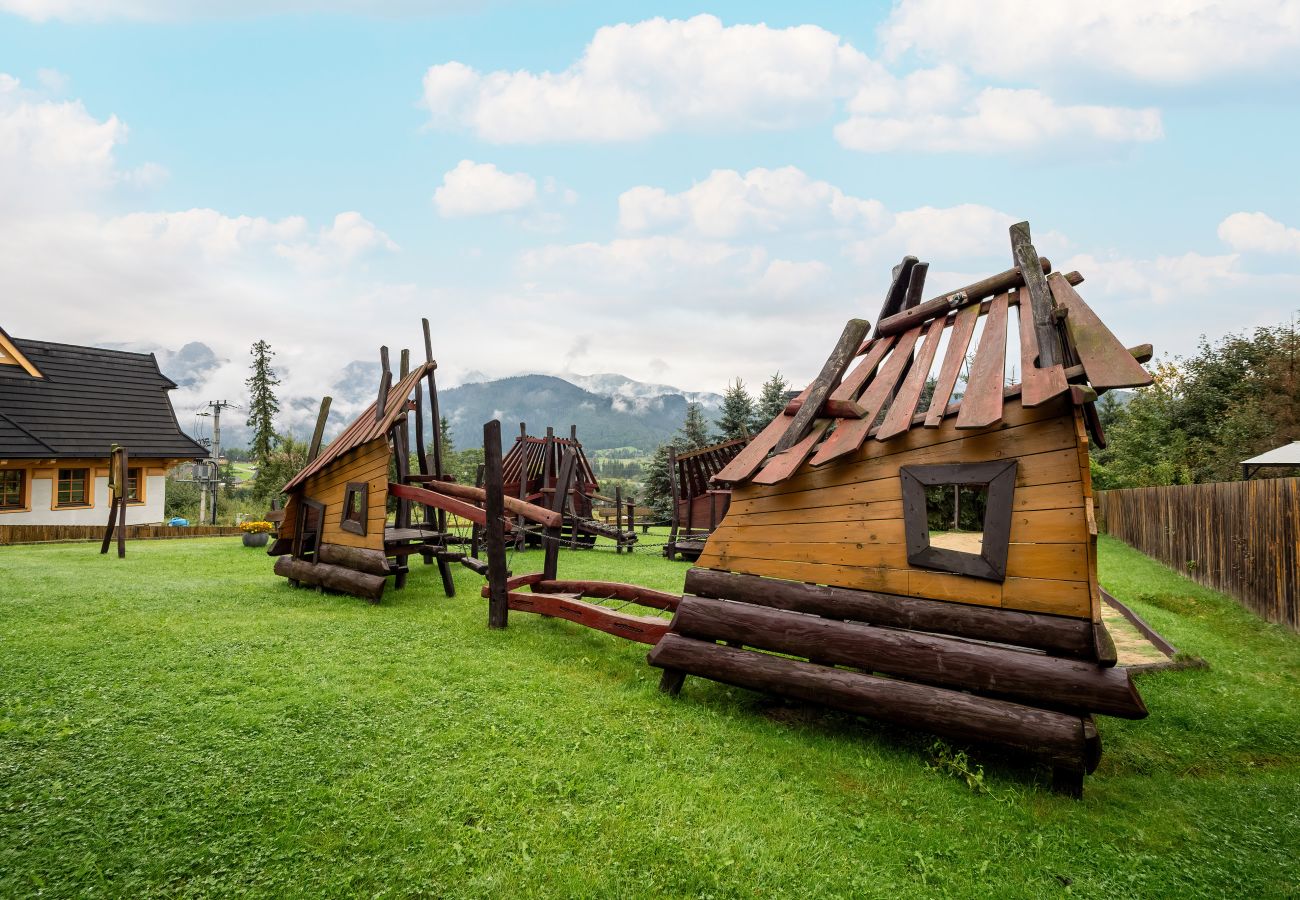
(88, 400)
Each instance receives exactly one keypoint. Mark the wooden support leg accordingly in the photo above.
(493, 530)
(448, 585)
(671, 682)
(108, 530)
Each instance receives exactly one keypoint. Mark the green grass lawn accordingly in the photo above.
(182, 723)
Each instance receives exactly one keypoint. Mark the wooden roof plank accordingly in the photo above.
(962, 329)
(1040, 300)
(786, 463)
(747, 461)
(899, 417)
(1105, 360)
(982, 405)
(1038, 384)
(850, 433)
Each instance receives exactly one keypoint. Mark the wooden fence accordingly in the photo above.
(46, 534)
(1241, 537)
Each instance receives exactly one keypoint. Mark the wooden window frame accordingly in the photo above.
(300, 544)
(24, 491)
(88, 502)
(357, 525)
(141, 478)
(999, 478)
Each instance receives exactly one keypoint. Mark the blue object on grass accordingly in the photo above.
(178, 522)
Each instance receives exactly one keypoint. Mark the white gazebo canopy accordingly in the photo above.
(1285, 457)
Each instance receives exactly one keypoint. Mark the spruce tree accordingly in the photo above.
(737, 414)
(657, 492)
(771, 399)
(262, 405)
(694, 432)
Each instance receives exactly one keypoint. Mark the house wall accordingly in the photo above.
(842, 524)
(41, 477)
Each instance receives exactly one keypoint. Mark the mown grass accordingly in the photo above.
(182, 723)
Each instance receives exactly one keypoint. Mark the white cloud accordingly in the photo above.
(1159, 41)
(727, 204)
(475, 189)
(934, 112)
(637, 80)
(1258, 233)
(54, 154)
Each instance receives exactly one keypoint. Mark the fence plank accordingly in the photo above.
(46, 534)
(1239, 537)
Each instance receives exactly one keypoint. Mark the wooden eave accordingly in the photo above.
(10, 355)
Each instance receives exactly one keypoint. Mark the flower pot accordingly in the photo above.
(256, 540)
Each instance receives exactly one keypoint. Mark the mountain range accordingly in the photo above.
(609, 409)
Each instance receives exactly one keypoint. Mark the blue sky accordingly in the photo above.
(633, 189)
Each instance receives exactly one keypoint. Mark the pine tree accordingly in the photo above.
(444, 434)
(737, 413)
(694, 432)
(658, 491)
(262, 405)
(771, 399)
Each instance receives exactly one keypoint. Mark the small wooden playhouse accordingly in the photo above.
(835, 577)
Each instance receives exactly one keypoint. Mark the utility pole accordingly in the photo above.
(214, 470)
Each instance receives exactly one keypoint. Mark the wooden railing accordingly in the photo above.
(1241, 537)
(45, 534)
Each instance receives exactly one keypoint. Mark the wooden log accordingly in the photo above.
(530, 511)
(915, 285)
(1057, 738)
(610, 590)
(900, 278)
(1057, 635)
(361, 559)
(563, 481)
(1020, 675)
(494, 531)
(335, 578)
(972, 293)
(438, 501)
(829, 376)
(1032, 270)
(322, 416)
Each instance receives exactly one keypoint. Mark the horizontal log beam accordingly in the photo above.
(335, 578)
(359, 558)
(1058, 635)
(1058, 738)
(441, 501)
(513, 505)
(971, 293)
(1020, 675)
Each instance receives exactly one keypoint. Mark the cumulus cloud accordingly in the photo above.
(1157, 41)
(936, 110)
(1258, 233)
(727, 204)
(638, 80)
(53, 154)
(476, 189)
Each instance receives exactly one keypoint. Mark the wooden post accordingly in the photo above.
(476, 532)
(385, 381)
(123, 484)
(670, 549)
(551, 561)
(618, 515)
(318, 435)
(494, 537)
(521, 536)
(116, 490)
(1040, 299)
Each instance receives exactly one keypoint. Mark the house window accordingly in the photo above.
(957, 517)
(73, 488)
(133, 494)
(13, 493)
(355, 507)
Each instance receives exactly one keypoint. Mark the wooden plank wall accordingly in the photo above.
(842, 524)
(46, 534)
(368, 463)
(1239, 537)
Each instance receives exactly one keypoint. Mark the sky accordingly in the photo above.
(677, 193)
